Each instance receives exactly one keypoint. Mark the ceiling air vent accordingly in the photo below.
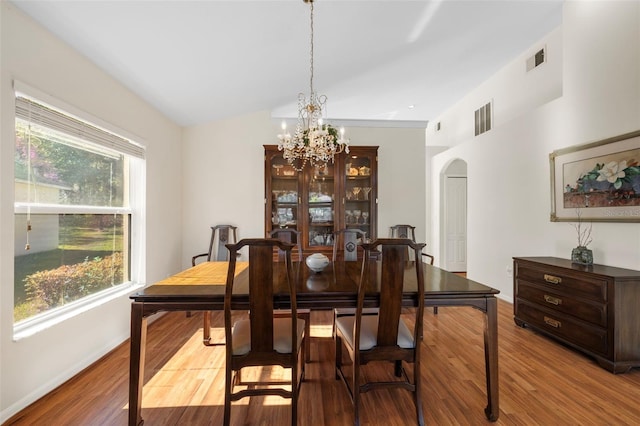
(538, 59)
(483, 117)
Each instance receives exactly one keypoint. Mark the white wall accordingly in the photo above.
(513, 90)
(508, 167)
(33, 366)
(223, 165)
(401, 176)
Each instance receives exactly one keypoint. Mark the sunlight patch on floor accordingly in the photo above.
(321, 330)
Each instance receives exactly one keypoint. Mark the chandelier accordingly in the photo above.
(313, 141)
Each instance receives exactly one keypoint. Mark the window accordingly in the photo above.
(74, 217)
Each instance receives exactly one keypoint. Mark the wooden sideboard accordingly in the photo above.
(595, 308)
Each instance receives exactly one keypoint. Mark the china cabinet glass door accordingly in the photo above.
(321, 205)
(284, 194)
(358, 193)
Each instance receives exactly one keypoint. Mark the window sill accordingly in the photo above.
(38, 323)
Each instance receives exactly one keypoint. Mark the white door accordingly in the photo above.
(455, 223)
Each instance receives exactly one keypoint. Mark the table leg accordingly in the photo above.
(136, 362)
(492, 410)
(206, 328)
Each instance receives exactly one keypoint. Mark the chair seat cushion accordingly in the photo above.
(241, 335)
(369, 332)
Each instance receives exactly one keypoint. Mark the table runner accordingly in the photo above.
(206, 273)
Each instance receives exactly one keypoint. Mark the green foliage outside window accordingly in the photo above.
(56, 287)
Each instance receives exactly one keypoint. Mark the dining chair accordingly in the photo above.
(294, 237)
(403, 231)
(409, 231)
(383, 337)
(290, 236)
(225, 234)
(346, 242)
(222, 235)
(259, 338)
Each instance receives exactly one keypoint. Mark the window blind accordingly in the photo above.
(30, 110)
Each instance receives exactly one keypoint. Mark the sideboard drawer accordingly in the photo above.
(591, 287)
(590, 338)
(590, 311)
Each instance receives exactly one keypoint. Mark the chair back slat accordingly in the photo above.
(346, 241)
(261, 297)
(391, 286)
(226, 235)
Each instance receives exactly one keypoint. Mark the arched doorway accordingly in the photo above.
(454, 217)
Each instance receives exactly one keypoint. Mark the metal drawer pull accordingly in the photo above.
(552, 279)
(553, 300)
(552, 322)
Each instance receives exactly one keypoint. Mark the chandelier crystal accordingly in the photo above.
(313, 141)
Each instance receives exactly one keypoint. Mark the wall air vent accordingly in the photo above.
(483, 118)
(539, 58)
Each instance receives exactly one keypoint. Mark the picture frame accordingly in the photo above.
(598, 181)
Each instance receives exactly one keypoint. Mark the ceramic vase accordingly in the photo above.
(317, 262)
(582, 255)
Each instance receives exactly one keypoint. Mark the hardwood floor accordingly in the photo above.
(541, 382)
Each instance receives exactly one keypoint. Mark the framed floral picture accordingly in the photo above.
(601, 180)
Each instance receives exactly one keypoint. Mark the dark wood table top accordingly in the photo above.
(335, 286)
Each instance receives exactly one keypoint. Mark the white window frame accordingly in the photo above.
(136, 210)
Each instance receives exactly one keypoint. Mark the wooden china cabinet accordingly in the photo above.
(320, 200)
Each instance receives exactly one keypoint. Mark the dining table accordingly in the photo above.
(202, 288)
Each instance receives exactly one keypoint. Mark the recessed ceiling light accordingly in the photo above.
(411, 106)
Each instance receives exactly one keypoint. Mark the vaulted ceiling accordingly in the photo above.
(395, 61)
